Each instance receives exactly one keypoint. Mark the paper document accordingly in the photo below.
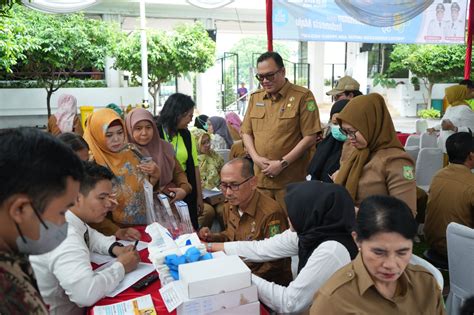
(173, 295)
(206, 193)
(141, 305)
(130, 278)
(100, 259)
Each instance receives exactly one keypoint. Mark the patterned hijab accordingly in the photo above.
(130, 193)
(456, 95)
(370, 116)
(161, 151)
(67, 111)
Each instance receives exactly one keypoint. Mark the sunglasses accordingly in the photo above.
(269, 76)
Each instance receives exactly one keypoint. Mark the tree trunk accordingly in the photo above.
(155, 92)
(430, 89)
(49, 93)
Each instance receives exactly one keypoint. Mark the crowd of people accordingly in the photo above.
(340, 199)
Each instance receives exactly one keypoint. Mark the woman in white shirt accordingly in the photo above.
(322, 218)
(459, 116)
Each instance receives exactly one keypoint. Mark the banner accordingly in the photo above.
(442, 22)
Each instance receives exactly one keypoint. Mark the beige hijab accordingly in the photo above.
(370, 116)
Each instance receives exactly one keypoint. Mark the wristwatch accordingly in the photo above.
(284, 163)
(209, 247)
(111, 248)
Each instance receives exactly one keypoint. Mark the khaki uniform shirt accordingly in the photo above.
(277, 126)
(237, 150)
(262, 219)
(451, 199)
(388, 172)
(54, 129)
(351, 290)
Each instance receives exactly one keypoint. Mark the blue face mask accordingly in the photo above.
(337, 134)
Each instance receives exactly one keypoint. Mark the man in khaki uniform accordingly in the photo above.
(249, 215)
(451, 196)
(280, 125)
(346, 88)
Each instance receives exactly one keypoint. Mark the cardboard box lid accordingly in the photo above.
(212, 269)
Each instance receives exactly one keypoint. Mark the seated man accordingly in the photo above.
(39, 181)
(451, 196)
(65, 276)
(249, 215)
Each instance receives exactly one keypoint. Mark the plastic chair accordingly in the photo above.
(412, 146)
(224, 153)
(460, 240)
(428, 140)
(415, 260)
(421, 125)
(413, 140)
(429, 161)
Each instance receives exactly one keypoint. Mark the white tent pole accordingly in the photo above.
(144, 51)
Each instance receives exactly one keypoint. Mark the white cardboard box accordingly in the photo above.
(214, 276)
(213, 303)
(247, 309)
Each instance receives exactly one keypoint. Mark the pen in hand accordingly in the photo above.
(135, 245)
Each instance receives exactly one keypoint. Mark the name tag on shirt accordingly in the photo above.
(260, 104)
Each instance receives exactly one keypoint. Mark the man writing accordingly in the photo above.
(250, 215)
(281, 123)
(66, 279)
(39, 181)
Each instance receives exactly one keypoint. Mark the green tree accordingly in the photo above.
(249, 48)
(14, 40)
(432, 63)
(63, 45)
(187, 49)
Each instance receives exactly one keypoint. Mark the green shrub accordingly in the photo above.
(429, 113)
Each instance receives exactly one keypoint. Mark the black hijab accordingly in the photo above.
(328, 153)
(320, 212)
(200, 121)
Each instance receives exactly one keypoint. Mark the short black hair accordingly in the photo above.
(379, 213)
(94, 173)
(74, 141)
(354, 93)
(458, 147)
(37, 164)
(467, 83)
(271, 55)
(175, 106)
(467, 308)
(247, 166)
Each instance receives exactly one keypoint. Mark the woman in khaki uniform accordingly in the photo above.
(376, 164)
(381, 280)
(66, 118)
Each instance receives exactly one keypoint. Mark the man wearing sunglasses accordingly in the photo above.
(281, 123)
(249, 215)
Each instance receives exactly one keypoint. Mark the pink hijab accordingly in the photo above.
(161, 151)
(234, 120)
(67, 111)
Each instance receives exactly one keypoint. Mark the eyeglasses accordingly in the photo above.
(349, 133)
(234, 187)
(269, 76)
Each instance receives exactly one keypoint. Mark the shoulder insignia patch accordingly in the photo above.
(311, 106)
(408, 172)
(274, 229)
